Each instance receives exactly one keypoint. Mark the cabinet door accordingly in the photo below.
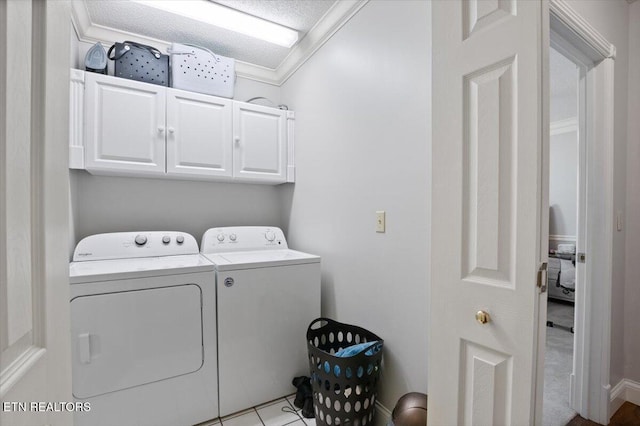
(198, 135)
(260, 149)
(124, 127)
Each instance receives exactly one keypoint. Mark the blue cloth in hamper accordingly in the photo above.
(352, 350)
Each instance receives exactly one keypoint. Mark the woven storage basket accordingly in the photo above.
(199, 70)
(344, 389)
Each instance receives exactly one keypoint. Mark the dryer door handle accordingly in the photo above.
(84, 348)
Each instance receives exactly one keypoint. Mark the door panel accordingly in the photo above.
(199, 134)
(131, 338)
(486, 163)
(262, 323)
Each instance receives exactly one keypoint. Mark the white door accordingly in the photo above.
(486, 211)
(260, 150)
(124, 125)
(199, 135)
(34, 214)
(114, 347)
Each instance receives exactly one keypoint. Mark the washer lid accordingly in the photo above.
(120, 269)
(260, 259)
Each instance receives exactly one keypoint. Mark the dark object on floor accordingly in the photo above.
(627, 415)
(410, 410)
(304, 396)
(564, 327)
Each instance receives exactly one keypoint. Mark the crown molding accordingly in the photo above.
(579, 27)
(334, 19)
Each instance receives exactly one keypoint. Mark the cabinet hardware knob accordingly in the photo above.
(160, 129)
(172, 130)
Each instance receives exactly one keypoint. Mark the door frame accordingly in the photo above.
(574, 37)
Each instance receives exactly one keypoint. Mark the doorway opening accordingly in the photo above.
(592, 58)
(565, 277)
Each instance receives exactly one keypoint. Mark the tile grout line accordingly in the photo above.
(258, 414)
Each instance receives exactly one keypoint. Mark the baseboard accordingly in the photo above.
(625, 390)
(383, 415)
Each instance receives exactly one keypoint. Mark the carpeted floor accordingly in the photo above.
(558, 365)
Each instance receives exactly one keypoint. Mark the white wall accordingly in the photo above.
(114, 204)
(563, 170)
(632, 292)
(563, 183)
(363, 144)
(563, 86)
(611, 19)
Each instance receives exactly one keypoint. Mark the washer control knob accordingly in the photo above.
(166, 239)
(221, 237)
(140, 240)
(270, 236)
(180, 239)
(233, 237)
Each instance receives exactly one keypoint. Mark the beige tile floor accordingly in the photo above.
(276, 413)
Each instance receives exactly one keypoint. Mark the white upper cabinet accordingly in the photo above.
(260, 150)
(124, 126)
(198, 135)
(131, 128)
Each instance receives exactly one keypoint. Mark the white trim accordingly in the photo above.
(557, 237)
(580, 28)
(76, 120)
(291, 152)
(334, 19)
(383, 415)
(625, 390)
(19, 368)
(559, 127)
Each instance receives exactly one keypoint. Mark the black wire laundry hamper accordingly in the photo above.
(345, 389)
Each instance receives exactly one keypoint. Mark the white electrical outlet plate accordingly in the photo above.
(380, 221)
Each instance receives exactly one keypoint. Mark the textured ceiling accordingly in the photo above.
(300, 15)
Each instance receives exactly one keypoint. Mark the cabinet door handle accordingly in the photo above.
(160, 129)
(172, 130)
(237, 140)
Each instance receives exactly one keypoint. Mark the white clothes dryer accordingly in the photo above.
(143, 330)
(267, 297)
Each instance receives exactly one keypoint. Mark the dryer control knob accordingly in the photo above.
(270, 236)
(233, 237)
(166, 239)
(221, 237)
(140, 240)
(180, 239)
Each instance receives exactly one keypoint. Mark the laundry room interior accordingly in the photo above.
(316, 168)
(357, 151)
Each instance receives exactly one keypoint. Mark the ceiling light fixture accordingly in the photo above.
(227, 18)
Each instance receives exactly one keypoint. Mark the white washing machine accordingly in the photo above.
(143, 330)
(267, 296)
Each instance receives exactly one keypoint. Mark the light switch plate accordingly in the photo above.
(380, 221)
